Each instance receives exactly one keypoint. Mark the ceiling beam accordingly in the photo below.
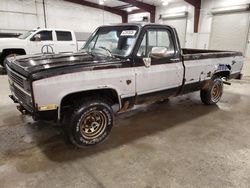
(123, 6)
(119, 12)
(197, 8)
(144, 6)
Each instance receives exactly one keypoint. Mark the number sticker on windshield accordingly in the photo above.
(128, 33)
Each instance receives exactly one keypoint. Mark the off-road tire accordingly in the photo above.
(212, 94)
(90, 123)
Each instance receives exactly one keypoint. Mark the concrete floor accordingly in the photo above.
(180, 143)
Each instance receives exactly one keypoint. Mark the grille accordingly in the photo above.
(20, 94)
(23, 98)
(18, 88)
(16, 78)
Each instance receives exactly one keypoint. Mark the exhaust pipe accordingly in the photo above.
(227, 83)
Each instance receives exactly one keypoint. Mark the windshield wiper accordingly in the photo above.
(110, 54)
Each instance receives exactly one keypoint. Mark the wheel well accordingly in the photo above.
(6, 52)
(223, 71)
(71, 99)
(224, 74)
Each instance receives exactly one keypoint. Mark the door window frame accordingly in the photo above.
(147, 40)
(174, 37)
(52, 37)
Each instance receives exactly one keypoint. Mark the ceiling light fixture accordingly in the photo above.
(237, 8)
(173, 15)
(129, 9)
(165, 3)
(140, 19)
(101, 2)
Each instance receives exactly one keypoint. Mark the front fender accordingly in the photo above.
(82, 92)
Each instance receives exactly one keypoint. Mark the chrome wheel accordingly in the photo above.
(93, 124)
(90, 123)
(216, 91)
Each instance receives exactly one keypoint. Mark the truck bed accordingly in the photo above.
(192, 54)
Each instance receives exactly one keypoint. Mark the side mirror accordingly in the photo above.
(36, 37)
(160, 52)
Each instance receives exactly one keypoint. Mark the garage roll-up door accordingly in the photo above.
(180, 25)
(230, 31)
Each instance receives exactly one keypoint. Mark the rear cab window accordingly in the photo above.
(63, 36)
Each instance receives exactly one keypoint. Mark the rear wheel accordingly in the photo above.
(212, 94)
(90, 123)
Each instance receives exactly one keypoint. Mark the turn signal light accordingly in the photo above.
(47, 107)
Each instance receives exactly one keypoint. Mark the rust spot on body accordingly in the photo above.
(128, 82)
(125, 107)
(209, 74)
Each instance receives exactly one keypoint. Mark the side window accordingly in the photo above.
(160, 38)
(152, 39)
(165, 40)
(45, 35)
(63, 36)
(156, 38)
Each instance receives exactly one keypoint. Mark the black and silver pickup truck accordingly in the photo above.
(126, 64)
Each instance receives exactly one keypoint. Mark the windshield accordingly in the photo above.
(25, 35)
(112, 41)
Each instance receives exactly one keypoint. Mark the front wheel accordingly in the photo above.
(212, 94)
(6, 59)
(90, 123)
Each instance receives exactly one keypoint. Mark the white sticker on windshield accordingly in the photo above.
(128, 33)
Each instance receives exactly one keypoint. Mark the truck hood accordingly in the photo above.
(9, 39)
(60, 63)
(11, 43)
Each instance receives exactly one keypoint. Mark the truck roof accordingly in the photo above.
(58, 29)
(139, 24)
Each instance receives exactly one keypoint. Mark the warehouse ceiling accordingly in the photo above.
(129, 7)
(159, 2)
(114, 3)
(110, 3)
(125, 7)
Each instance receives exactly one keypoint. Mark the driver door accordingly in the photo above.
(40, 39)
(158, 77)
